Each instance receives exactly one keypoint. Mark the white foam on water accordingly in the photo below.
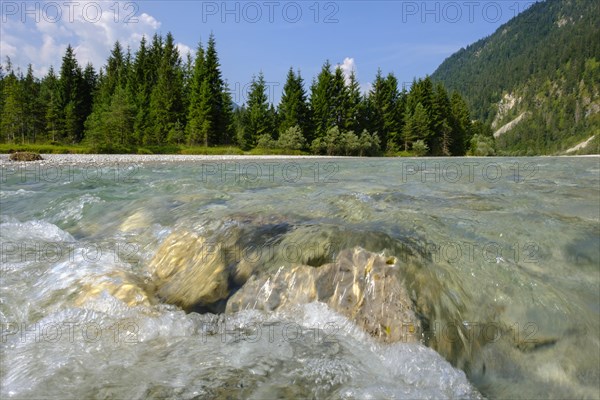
(72, 210)
(255, 354)
(33, 230)
(5, 194)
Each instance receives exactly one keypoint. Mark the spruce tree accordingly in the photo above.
(461, 125)
(71, 88)
(321, 102)
(33, 109)
(166, 103)
(354, 120)
(441, 120)
(196, 112)
(53, 113)
(417, 126)
(218, 122)
(89, 86)
(141, 87)
(385, 118)
(339, 99)
(13, 116)
(259, 118)
(293, 108)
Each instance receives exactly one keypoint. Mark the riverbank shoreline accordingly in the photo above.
(151, 158)
(179, 158)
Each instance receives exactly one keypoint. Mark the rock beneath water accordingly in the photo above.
(25, 156)
(129, 288)
(137, 221)
(365, 287)
(189, 271)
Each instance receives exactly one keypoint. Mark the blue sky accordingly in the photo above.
(408, 38)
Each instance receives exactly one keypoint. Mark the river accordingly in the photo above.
(499, 259)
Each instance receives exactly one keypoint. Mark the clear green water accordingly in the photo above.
(509, 251)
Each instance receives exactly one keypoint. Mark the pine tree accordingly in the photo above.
(141, 87)
(417, 126)
(53, 113)
(215, 101)
(339, 99)
(226, 121)
(385, 118)
(461, 125)
(321, 102)
(293, 108)
(32, 107)
(196, 112)
(166, 103)
(441, 121)
(89, 83)
(354, 119)
(70, 84)
(259, 118)
(119, 118)
(115, 69)
(392, 117)
(13, 116)
(2, 76)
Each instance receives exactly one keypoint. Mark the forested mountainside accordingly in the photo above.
(536, 80)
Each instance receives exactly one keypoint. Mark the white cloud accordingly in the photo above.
(348, 66)
(91, 27)
(184, 50)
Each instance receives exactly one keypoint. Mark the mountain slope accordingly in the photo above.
(542, 68)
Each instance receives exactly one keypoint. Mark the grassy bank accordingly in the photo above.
(169, 149)
(191, 150)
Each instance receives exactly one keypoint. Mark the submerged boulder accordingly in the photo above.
(189, 271)
(363, 286)
(129, 288)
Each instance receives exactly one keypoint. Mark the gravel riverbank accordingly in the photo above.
(146, 158)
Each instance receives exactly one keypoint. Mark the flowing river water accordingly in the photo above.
(326, 278)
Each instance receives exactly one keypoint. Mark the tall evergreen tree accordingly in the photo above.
(417, 126)
(259, 118)
(339, 99)
(141, 83)
(166, 103)
(13, 111)
(119, 118)
(321, 102)
(53, 112)
(71, 89)
(198, 111)
(354, 120)
(461, 125)
(33, 109)
(218, 122)
(293, 108)
(385, 118)
(89, 82)
(441, 122)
